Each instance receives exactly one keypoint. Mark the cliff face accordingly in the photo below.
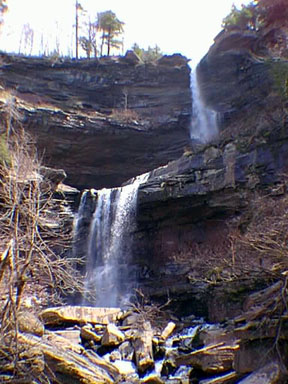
(103, 120)
(243, 78)
(188, 208)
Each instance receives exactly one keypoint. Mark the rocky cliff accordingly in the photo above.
(104, 120)
(212, 224)
(190, 209)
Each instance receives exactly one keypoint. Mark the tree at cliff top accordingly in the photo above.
(78, 8)
(88, 42)
(147, 56)
(111, 28)
(256, 15)
(273, 12)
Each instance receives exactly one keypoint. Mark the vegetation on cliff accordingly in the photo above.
(257, 15)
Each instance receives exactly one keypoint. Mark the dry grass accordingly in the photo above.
(124, 115)
(255, 243)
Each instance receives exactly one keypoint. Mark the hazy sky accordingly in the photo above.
(185, 26)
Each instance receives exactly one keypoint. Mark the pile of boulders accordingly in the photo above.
(130, 350)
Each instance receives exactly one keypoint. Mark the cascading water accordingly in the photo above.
(204, 120)
(109, 278)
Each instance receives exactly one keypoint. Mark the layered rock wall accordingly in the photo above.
(102, 120)
(187, 208)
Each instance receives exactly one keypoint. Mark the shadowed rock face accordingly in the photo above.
(105, 120)
(185, 207)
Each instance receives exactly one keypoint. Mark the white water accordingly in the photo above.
(204, 120)
(110, 245)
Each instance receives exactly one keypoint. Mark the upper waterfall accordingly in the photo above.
(204, 120)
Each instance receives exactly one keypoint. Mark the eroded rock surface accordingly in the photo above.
(104, 120)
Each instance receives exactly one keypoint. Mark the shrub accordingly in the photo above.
(34, 239)
(124, 115)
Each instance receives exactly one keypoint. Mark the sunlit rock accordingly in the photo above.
(80, 315)
(112, 336)
(143, 347)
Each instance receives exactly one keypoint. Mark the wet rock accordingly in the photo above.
(126, 350)
(126, 368)
(79, 315)
(54, 176)
(115, 356)
(168, 330)
(152, 379)
(87, 333)
(131, 319)
(269, 374)
(183, 374)
(229, 378)
(212, 359)
(66, 360)
(73, 335)
(112, 336)
(253, 354)
(142, 344)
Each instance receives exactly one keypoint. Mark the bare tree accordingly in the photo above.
(33, 238)
(78, 8)
(27, 38)
(89, 42)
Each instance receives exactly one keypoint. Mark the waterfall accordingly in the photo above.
(109, 251)
(204, 120)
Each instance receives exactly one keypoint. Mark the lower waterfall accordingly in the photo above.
(109, 280)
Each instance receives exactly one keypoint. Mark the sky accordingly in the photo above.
(183, 26)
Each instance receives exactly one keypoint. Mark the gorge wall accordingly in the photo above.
(189, 208)
(102, 120)
(187, 205)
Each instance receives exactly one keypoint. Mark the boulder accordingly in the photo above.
(269, 374)
(229, 378)
(168, 330)
(79, 315)
(127, 351)
(87, 333)
(28, 322)
(72, 335)
(252, 355)
(142, 344)
(112, 336)
(213, 359)
(152, 378)
(64, 360)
